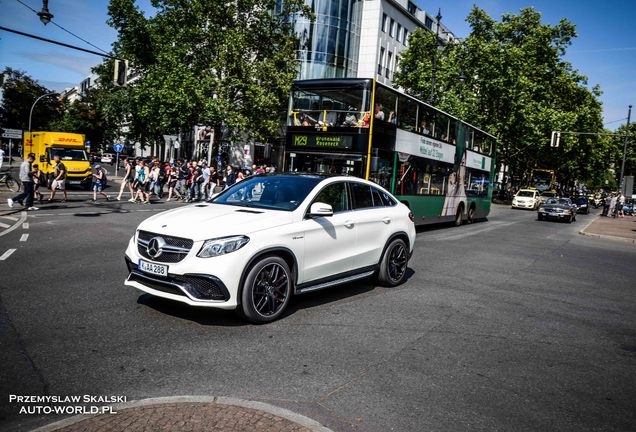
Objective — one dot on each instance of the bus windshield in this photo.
(67, 154)
(340, 104)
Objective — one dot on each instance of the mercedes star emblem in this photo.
(155, 247)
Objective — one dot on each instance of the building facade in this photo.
(360, 38)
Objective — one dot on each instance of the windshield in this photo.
(67, 154)
(565, 201)
(551, 201)
(281, 192)
(525, 194)
(548, 194)
(343, 105)
(581, 200)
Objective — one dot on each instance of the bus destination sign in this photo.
(322, 141)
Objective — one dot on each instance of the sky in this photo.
(605, 49)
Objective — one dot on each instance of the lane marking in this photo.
(23, 218)
(12, 218)
(24, 237)
(25, 225)
(2, 225)
(7, 254)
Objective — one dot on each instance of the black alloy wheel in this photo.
(266, 290)
(394, 264)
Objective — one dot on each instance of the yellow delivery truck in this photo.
(69, 146)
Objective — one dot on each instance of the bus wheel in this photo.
(459, 215)
(471, 215)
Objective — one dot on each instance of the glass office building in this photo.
(329, 45)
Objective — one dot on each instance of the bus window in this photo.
(381, 170)
(477, 183)
(310, 107)
(407, 113)
(452, 131)
(441, 127)
(426, 119)
(419, 176)
(487, 146)
(387, 101)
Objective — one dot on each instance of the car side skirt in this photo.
(337, 279)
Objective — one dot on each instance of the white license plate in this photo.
(148, 267)
(74, 182)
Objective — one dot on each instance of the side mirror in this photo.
(320, 209)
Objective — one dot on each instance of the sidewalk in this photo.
(613, 229)
(192, 414)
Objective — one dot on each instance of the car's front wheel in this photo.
(266, 290)
(394, 263)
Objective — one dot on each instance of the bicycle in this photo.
(9, 181)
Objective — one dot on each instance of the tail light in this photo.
(411, 217)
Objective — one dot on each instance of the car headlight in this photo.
(541, 209)
(222, 246)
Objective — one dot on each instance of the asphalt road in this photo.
(509, 324)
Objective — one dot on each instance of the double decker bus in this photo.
(438, 165)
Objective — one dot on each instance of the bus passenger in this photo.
(379, 114)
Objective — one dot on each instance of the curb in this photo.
(605, 236)
(609, 237)
(299, 419)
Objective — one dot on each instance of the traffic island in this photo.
(192, 414)
(618, 229)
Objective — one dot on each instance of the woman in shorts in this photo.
(129, 178)
(173, 178)
(99, 178)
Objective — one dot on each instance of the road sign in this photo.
(12, 133)
(218, 158)
(118, 147)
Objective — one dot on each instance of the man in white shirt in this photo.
(1, 157)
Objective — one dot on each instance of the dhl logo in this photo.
(75, 140)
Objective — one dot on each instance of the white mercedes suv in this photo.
(269, 237)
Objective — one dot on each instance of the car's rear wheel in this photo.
(459, 215)
(394, 263)
(470, 218)
(266, 290)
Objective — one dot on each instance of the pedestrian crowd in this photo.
(145, 179)
(613, 206)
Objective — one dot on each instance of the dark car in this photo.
(582, 204)
(559, 209)
(628, 207)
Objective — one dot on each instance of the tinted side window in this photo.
(335, 195)
(387, 201)
(362, 197)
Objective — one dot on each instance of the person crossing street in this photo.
(26, 177)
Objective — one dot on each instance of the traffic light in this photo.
(556, 137)
(121, 70)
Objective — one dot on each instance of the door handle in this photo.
(348, 224)
(386, 220)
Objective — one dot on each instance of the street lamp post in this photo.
(33, 106)
(620, 184)
(434, 65)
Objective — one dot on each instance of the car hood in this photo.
(206, 221)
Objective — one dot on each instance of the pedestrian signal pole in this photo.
(620, 184)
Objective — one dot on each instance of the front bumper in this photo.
(526, 205)
(559, 216)
(190, 281)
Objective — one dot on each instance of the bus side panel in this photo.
(426, 208)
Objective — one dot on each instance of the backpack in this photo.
(104, 179)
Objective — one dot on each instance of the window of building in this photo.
(392, 28)
(428, 23)
(399, 33)
(412, 8)
(381, 61)
(385, 19)
(389, 63)
(406, 37)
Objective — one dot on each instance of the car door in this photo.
(373, 221)
(329, 240)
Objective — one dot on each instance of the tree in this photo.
(517, 87)
(227, 64)
(19, 93)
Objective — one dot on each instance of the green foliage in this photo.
(227, 64)
(517, 87)
(20, 91)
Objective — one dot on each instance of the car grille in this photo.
(176, 248)
(201, 287)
